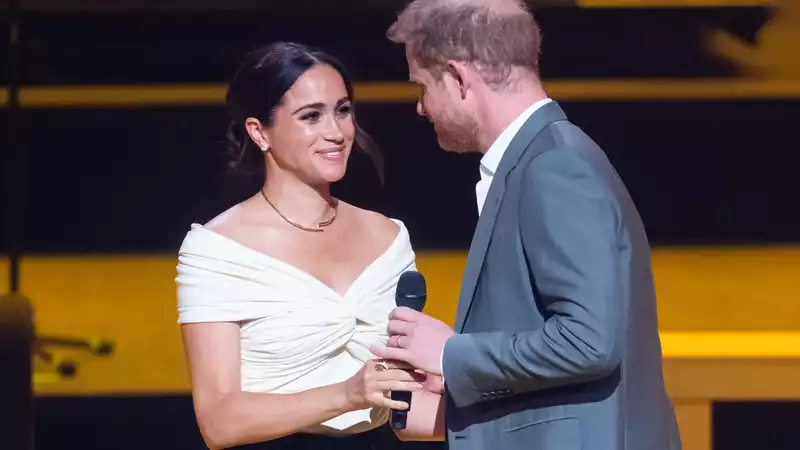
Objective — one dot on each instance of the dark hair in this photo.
(257, 89)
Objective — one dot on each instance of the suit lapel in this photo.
(547, 114)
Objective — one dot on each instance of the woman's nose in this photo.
(333, 131)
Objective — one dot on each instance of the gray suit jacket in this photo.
(556, 344)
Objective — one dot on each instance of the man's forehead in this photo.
(415, 71)
(410, 56)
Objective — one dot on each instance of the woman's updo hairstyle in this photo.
(257, 90)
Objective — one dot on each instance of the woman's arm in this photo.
(227, 416)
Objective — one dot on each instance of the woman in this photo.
(281, 296)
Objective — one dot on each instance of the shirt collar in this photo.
(491, 159)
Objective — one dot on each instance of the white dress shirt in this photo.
(491, 159)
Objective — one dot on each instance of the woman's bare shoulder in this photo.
(233, 222)
(378, 225)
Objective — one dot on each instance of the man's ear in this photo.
(461, 74)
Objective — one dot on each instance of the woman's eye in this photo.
(345, 110)
(311, 117)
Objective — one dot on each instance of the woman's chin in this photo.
(331, 173)
(329, 176)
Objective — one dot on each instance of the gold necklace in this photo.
(319, 227)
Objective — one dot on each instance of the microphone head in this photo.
(411, 290)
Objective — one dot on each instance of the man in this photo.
(556, 342)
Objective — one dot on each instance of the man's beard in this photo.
(457, 134)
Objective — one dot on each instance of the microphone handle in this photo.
(399, 418)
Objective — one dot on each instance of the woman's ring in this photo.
(380, 366)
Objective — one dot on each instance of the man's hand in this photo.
(434, 384)
(415, 338)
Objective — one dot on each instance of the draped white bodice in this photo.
(296, 332)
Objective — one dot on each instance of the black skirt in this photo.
(381, 438)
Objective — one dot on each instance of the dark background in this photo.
(131, 180)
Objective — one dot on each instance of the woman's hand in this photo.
(371, 386)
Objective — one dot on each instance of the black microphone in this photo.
(411, 293)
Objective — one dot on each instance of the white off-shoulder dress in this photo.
(296, 332)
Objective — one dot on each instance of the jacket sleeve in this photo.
(569, 226)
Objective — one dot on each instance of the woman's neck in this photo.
(298, 200)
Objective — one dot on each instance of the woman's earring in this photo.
(264, 148)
